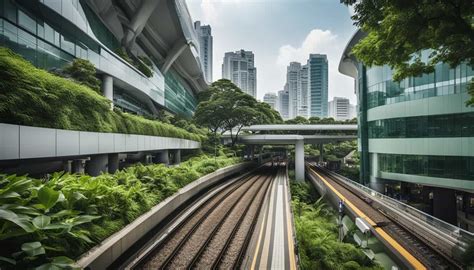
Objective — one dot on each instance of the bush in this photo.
(83, 72)
(48, 222)
(34, 97)
(317, 234)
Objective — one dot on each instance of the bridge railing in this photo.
(461, 235)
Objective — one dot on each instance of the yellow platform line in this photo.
(410, 258)
(291, 247)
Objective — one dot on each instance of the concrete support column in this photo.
(299, 160)
(97, 165)
(78, 166)
(108, 88)
(252, 151)
(444, 205)
(67, 166)
(146, 159)
(163, 157)
(113, 163)
(321, 151)
(177, 156)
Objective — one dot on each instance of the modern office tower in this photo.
(51, 34)
(240, 69)
(339, 108)
(205, 45)
(417, 135)
(294, 85)
(318, 85)
(283, 103)
(271, 99)
(352, 111)
(303, 94)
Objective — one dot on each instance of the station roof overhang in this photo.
(285, 127)
(293, 139)
(347, 64)
(167, 36)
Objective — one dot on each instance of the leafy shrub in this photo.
(42, 221)
(317, 234)
(34, 97)
(83, 72)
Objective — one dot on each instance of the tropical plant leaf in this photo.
(33, 248)
(82, 219)
(48, 197)
(8, 260)
(23, 222)
(41, 222)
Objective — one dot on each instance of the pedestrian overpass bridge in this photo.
(296, 139)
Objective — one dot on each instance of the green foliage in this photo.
(141, 63)
(398, 30)
(317, 234)
(41, 221)
(224, 107)
(34, 97)
(83, 72)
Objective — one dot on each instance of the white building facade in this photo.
(340, 108)
(271, 99)
(205, 46)
(239, 67)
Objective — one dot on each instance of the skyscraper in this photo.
(303, 108)
(205, 44)
(294, 85)
(239, 68)
(340, 108)
(283, 103)
(318, 85)
(271, 99)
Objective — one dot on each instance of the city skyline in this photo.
(296, 29)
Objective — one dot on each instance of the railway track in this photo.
(429, 257)
(217, 233)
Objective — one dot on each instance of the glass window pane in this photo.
(26, 21)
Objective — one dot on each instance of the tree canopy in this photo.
(224, 107)
(399, 30)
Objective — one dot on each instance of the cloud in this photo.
(317, 41)
(209, 11)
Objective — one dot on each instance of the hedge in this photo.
(47, 223)
(34, 97)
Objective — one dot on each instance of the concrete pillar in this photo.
(252, 151)
(113, 163)
(177, 156)
(444, 205)
(299, 160)
(163, 157)
(78, 166)
(108, 88)
(97, 164)
(321, 151)
(146, 159)
(67, 166)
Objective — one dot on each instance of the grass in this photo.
(317, 234)
(34, 97)
(50, 222)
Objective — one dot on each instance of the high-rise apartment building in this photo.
(297, 80)
(283, 103)
(239, 67)
(294, 85)
(205, 46)
(271, 99)
(318, 85)
(340, 108)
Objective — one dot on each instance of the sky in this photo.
(279, 32)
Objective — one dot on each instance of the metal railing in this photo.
(460, 235)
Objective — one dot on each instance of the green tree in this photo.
(399, 30)
(224, 107)
(298, 120)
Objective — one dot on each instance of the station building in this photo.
(416, 137)
(119, 38)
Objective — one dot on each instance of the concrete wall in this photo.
(105, 253)
(24, 142)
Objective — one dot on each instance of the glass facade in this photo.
(455, 167)
(432, 126)
(382, 90)
(178, 95)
